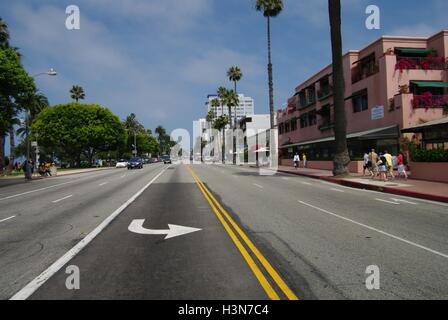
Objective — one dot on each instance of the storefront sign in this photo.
(378, 112)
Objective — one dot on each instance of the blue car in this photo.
(135, 163)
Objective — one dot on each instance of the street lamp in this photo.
(52, 73)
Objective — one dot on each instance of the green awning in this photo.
(414, 51)
(430, 84)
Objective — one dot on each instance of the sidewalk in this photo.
(434, 191)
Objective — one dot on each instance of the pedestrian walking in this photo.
(389, 164)
(373, 158)
(305, 161)
(401, 166)
(382, 167)
(296, 160)
(27, 168)
(367, 165)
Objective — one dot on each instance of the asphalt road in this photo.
(260, 237)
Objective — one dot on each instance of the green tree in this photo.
(231, 100)
(270, 9)
(77, 130)
(77, 93)
(4, 33)
(341, 159)
(15, 84)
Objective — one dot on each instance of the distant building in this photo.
(393, 84)
(246, 107)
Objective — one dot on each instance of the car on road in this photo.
(135, 163)
(166, 159)
(121, 164)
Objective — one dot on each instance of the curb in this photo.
(358, 185)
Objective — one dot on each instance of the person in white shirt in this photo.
(296, 160)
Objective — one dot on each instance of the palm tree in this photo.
(270, 9)
(341, 159)
(234, 73)
(219, 124)
(4, 33)
(33, 103)
(215, 105)
(231, 100)
(161, 137)
(77, 93)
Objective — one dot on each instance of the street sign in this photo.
(136, 226)
(34, 143)
(378, 112)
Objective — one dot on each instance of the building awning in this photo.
(430, 84)
(431, 124)
(413, 51)
(390, 132)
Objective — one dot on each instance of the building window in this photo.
(360, 101)
(302, 97)
(281, 128)
(294, 124)
(304, 120)
(287, 127)
(311, 95)
(312, 118)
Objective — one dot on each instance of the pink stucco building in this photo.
(392, 84)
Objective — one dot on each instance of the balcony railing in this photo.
(422, 63)
(325, 124)
(324, 92)
(428, 100)
(362, 72)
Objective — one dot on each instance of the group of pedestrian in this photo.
(298, 161)
(383, 165)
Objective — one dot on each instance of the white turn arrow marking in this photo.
(136, 226)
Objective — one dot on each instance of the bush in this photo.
(435, 155)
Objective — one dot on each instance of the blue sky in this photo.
(160, 58)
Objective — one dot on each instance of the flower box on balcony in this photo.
(428, 100)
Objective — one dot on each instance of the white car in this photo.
(121, 164)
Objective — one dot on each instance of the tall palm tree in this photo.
(219, 124)
(33, 103)
(341, 159)
(4, 33)
(215, 105)
(234, 73)
(231, 100)
(161, 137)
(270, 9)
(77, 93)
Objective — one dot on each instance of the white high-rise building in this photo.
(245, 108)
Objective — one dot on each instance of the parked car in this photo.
(121, 164)
(135, 163)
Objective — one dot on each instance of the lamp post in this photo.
(52, 73)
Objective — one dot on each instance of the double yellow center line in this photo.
(228, 223)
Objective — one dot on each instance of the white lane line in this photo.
(285, 178)
(62, 199)
(37, 190)
(377, 230)
(36, 283)
(12, 217)
(258, 186)
(306, 183)
(123, 176)
(337, 190)
(53, 186)
(404, 201)
(103, 184)
(386, 201)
